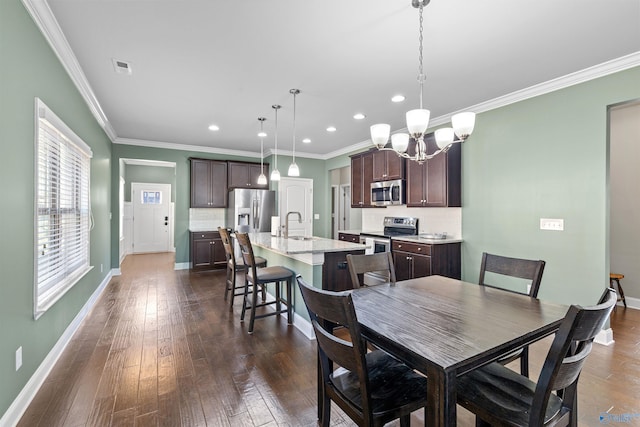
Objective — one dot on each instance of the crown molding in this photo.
(45, 20)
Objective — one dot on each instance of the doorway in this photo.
(340, 208)
(152, 217)
(296, 195)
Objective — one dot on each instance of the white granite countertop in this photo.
(425, 240)
(290, 246)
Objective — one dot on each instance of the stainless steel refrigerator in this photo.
(250, 211)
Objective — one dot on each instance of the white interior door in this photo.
(152, 227)
(296, 195)
(345, 207)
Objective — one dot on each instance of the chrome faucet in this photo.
(286, 222)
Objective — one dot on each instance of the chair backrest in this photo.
(228, 245)
(360, 264)
(569, 350)
(247, 252)
(336, 308)
(513, 267)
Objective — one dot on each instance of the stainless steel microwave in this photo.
(385, 193)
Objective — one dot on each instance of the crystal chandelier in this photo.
(262, 178)
(275, 173)
(418, 120)
(294, 170)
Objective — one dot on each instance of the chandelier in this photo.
(418, 120)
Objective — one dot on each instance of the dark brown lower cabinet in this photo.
(207, 252)
(414, 260)
(335, 271)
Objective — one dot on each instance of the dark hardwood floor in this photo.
(161, 348)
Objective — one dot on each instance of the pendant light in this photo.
(262, 178)
(275, 174)
(418, 120)
(294, 170)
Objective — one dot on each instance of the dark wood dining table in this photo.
(444, 328)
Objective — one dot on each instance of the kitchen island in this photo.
(321, 262)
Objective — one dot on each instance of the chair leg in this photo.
(290, 300)
(245, 297)
(405, 421)
(326, 411)
(232, 285)
(226, 286)
(278, 297)
(621, 292)
(254, 298)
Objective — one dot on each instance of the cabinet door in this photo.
(420, 265)
(218, 184)
(379, 171)
(436, 194)
(202, 253)
(356, 182)
(415, 183)
(387, 165)
(395, 166)
(367, 178)
(402, 263)
(219, 256)
(238, 175)
(200, 183)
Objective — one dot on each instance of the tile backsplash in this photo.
(206, 219)
(430, 220)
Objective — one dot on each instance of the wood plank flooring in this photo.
(161, 348)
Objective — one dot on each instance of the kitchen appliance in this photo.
(386, 193)
(250, 210)
(381, 242)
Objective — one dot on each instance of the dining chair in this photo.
(529, 270)
(234, 266)
(377, 262)
(499, 396)
(259, 278)
(372, 388)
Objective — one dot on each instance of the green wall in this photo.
(30, 69)
(309, 168)
(149, 174)
(546, 157)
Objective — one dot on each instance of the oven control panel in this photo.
(405, 222)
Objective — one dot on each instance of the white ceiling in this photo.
(198, 62)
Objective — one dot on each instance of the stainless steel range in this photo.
(381, 241)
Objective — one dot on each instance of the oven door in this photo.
(376, 245)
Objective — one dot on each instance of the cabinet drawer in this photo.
(206, 235)
(415, 248)
(346, 237)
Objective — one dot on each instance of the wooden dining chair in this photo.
(378, 262)
(258, 278)
(372, 388)
(526, 269)
(499, 396)
(235, 266)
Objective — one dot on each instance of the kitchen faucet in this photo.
(286, 222)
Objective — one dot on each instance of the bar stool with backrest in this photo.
(372, 388)
(378, 262)
(499, 396)
(259, 278)
(520, 268)
(234, 266)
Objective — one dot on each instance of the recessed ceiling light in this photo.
(306, 141)
(262, 134)
(214, 128)
(331, 129)
(397, 98)
(359, 116)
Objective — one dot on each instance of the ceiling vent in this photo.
(122, 67)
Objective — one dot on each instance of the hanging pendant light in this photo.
(418, 120)
(294, 170)
(275, 174)
(262, 178)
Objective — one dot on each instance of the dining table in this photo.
(444, 328)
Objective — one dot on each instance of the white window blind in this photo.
(63, 216)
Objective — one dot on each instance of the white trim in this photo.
(604, 337)
(116, 272)
(304, 326)
(182, 266)
(28, 392)
(46, 22)
(632, 302)
(146, 162)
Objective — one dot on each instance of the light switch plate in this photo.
(316, 216)
(554, 224)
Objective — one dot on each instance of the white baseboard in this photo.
(182, 266)
(28, 392)
(299, 322)
(631, 303)
(116, 272)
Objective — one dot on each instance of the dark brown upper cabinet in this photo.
(208, 183)
(245, 175)
(361, 179)
(387, 166)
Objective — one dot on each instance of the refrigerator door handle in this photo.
(256, 214)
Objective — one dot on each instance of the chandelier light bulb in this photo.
(418, 121)
(380, 134)
(444, 137)
(463, 124)
(400, 142)
(275, 175)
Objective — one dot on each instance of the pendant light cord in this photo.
(294, 126)
(421, 76)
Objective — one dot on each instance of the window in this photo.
(63, 215)
(151, 197)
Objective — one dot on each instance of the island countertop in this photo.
(295, 245)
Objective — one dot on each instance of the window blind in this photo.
(63, 214)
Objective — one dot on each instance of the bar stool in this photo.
(614, 277)
(259, 278)
(234, 266)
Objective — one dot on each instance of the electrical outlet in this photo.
(554, 224)
(18, 358)
(316, 216)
